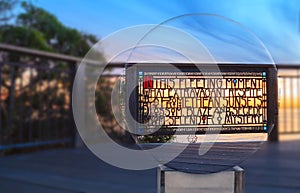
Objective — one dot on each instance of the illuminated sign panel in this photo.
(193, 101)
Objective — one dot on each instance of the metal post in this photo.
(239, 177)
(273, 104)
(1, 122)
(297, 95)
(21, 110)
(30, 131)
(40, 104)
(292, 103)
(11, 105)
(284, 103)
(48, 112)
(56, 101)
(72, 125)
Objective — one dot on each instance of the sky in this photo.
(275, 22)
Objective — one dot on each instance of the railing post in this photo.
(274, 135)
(11, 105)
(72, 125)
(1, 121)
(273, 102)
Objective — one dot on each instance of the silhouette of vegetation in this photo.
(36, 28)
(6, 7)
(35, 92)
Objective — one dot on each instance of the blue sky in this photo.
(275, 22)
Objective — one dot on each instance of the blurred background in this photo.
(41, 45)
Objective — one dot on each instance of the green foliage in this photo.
(44, 101)
(6, 6)
(22, 36)
(39, 19)
(156, 138)
(37, 28)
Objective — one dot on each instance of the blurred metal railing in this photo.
(289, 95)
(36, 97)
(35, 103)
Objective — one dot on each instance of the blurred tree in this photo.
(61, 38)
(38, 91)
(22, 36)
(36, 28)
(44, 92)
(6, 7)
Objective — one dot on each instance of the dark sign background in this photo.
(236, 99)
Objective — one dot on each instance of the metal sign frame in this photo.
(137, 72)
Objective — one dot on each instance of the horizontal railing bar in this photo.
(66, 70)
(74, 59)
(34, 144)
(288, 66)
(54, 56)
(291, 132)
(38, 67)
(287, 76)
(44, 54)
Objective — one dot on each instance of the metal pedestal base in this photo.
(171, 181)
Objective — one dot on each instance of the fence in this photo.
(289, 104)
(36, 98)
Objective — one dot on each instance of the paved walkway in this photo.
(275, 169)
